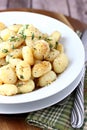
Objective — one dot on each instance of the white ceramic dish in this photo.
(73, 48)
(40, 104)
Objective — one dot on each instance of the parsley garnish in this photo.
(10, 55)
(56, 44)
(13, 47)
(50, 45)
(39, 37)
(19, 85)
(22, 34)
(21, 76)
(4, 50)
(48, 39)
(7, 62)
(22, 31)
(32, 36)
(26, 26)
(14, 39)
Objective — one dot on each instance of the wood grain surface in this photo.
(73, 8)
(17, 121)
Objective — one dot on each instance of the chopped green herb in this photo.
(50, 45)
(22, 35)
(48, 39)
(26, 26)
(56, 44)
(4, 50)
(32, 36)
(19, 85)
(22, 31)
(21, 76)
(14, 39)
(35, 49)
(13, 47)
(39, 37)
(10, 55)
(7, 62)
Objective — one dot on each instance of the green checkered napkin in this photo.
(58, 117)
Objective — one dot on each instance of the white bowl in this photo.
(73, 48)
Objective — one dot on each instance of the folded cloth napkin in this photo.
(58, 116)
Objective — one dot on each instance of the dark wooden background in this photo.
(73, 8)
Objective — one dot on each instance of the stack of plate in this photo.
(65, 83)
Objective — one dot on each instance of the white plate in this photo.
(73, 48)
(40, 104)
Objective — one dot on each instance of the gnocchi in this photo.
(29, 59)
(52, 55)
(41, 49)
(41, 68)
(47, 78)
(27, 53)
(6, 34)
(8, 89)
(25, 87)
(8, 75)
(60, 63)
(23, 71)
(5, 48)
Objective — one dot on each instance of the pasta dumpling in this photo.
(47, 79)
(8, 75)
(25, 87)
(23, 71)
(41, 49)
(28, 56)
(8, 89)
(41, 68)
(60, 63)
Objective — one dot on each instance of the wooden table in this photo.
(17, 121)
(76, 9)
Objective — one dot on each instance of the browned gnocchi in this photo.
(41, 68)
(8, 74)
(41, 49)
(47, 78)
(60, 63)
(8, 89)
(29, 59)
(25, 87)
